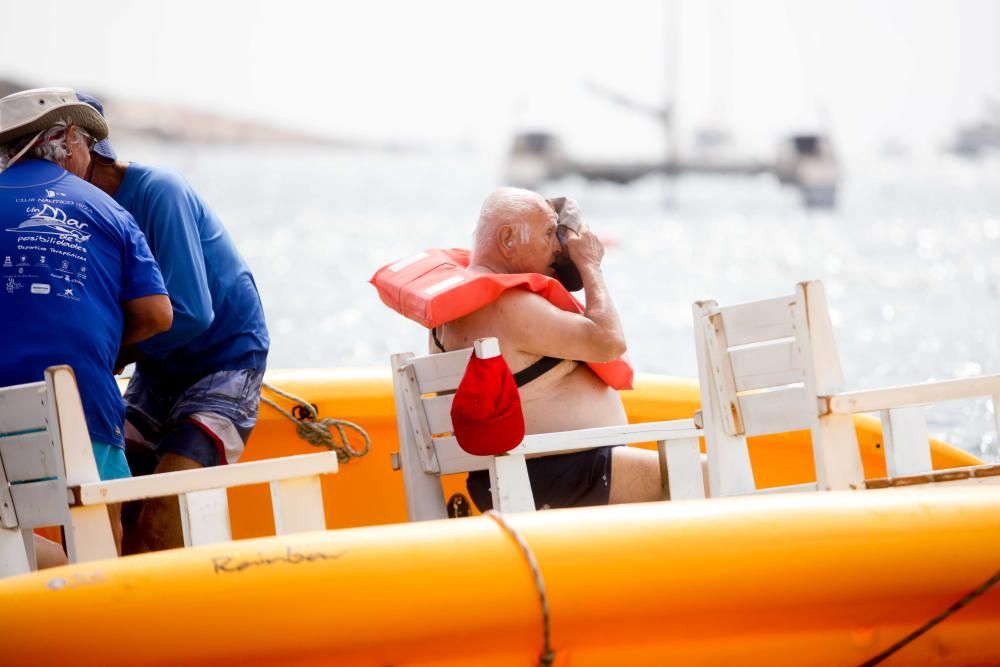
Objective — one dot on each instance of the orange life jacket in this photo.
(435, 287)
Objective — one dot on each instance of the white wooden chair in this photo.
(424, 389)
(48, 477)
(772, 366)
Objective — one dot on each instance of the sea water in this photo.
(908, 257)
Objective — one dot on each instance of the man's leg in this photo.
(143, 461)
(158, 524)
(635, 476)
(208, 424)
(49, 553)
(112, 464)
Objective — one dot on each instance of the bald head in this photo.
(510, 221)
(507, 206)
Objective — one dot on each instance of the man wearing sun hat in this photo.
(77, 278)
(192, 400)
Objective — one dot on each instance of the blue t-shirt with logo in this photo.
(218, 318)
(69, 257)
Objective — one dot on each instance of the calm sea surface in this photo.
(909, 259)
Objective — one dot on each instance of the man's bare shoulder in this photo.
(520, 304)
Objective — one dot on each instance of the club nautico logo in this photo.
(53, 221)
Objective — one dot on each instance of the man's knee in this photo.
(635, 476)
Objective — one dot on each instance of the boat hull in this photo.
(811, 578)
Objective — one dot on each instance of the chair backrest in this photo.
(424, 389)
(44, 448)
(762, 367)
(48, 476)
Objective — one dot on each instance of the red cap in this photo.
(486, 413)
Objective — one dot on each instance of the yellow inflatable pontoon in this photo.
(834, 578)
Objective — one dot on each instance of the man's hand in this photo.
(585, 249)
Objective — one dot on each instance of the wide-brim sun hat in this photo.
(32, 111)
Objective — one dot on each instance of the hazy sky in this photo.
(436, 70)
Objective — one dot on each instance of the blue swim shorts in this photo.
(223, 405)
(111, 462)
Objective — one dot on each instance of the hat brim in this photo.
(78, 113)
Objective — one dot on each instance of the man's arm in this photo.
(144, 317)
(535, 326)
(173, 232)
(587, 252)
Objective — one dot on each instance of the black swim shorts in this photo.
(580, 479)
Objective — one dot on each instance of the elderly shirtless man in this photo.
(516, 233)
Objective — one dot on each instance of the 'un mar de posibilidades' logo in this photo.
(54, 221)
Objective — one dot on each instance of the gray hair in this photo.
(51, 146)
(506, 206)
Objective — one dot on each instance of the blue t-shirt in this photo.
(69, 257)
(218, 318)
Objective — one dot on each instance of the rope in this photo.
(969, 597)
(548, 656)
(317, 432)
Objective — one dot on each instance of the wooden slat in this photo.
(41, 503)
(22, 408)
(439, 418)
(187, 481)
(423, 492)
(91, 537)
(984, 474)
(297, 505)
(905, 441)
(723, 381)
(453, 458)
(777, 411)
(767, 365)
(417, 419)
(682, 460)
(29, 456)
(440, 372)
(836, 454)
(8, 517)
(873, 400)
(509, 484)
(729, 469)
(13, 554)
(438, 411)
(611, 435)
(205, 517)
(71, 436)
(758, 321)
